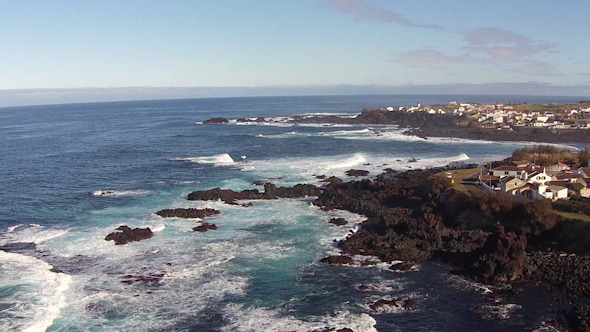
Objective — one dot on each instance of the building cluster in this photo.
(502, 116)
(559, 181)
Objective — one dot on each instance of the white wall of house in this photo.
(558, 193)
(540, 178)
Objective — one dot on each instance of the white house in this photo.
(508, 183)
(549, 192)
(538, 177)
(517, 172)
(559, 167)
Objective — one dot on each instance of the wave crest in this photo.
(217, 160)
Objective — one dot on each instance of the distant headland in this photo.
(548, 123)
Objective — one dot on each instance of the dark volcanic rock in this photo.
(216, 121)
(338, 221)
(337, 260)
(579, 318)
(19, 247)
(357, 172)
(403, 266)
(501, 259)
(569, 272)
(126, 235)
(153, 279)
(187, 213)
(382, 304)
(414, 217)
(204, 227)
(388, 305)
(270, 192)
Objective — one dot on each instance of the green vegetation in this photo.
(458, 176)
(573, 207)
(574, 216)
(546, 155)
(482, 209)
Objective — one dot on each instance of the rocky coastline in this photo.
(414, 217)
(426, 125)
(492, 239)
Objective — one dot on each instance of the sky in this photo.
(95, 50)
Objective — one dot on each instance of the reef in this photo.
(216, 121)
(125, 234)
(187, 213)
(271, 191)
(204, 227)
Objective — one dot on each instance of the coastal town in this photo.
(528, 180)
(505, 117)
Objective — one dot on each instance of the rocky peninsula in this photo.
(490, 238)
(553, 123)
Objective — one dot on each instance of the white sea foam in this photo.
(290, 171)
(346, 132)
(119, 193)
(37, 297)
(263, 319)
(463, 283)
(500, 311)
(357, 159)
(158, 228)
(323, 125)
(382, 286)
(217, 160)
(31, 233)
(314, 114)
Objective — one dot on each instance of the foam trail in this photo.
(119, 193)
(217, 160)
(346, 132)
(262, 319)
(39, 295)
(32, 233)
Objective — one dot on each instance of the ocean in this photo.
(71, 174)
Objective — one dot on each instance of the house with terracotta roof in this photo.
(559, 167)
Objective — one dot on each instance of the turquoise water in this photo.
(260, 270)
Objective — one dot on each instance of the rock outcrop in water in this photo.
(187, 213)
(271, 191)
(338, 221)
(204, 227)
(216, 121)
(357, 172)
(126, 234)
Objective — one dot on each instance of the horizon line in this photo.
(82, 95)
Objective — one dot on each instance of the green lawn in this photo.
(571, 215)
(458, 175)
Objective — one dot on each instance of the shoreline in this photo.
(413, 218)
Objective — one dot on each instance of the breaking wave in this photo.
(119, 193)
(32, 293)
(217, 160)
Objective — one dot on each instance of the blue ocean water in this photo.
(70, 174)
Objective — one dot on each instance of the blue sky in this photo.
(283, 43)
